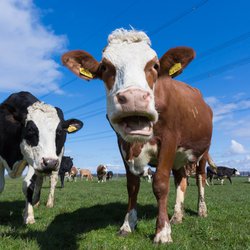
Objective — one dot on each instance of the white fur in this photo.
(164, 236)
(130, 222)
(202, 208)
(53, 182)
(28, 211)
(39, 113)
(178, 208)
(182, 157)
(129, 51)
(136, 165)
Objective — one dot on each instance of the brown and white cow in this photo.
(73, 173)
(101, 172)
(158, 121)
(86, 173)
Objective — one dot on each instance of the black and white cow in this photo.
(32, 134)
(66, 165)
(221, 173)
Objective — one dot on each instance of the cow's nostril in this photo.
(121, 99)
(50, 163)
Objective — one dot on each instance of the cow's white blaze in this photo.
(39, 113)
(129, 52)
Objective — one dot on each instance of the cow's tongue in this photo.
(137, 125)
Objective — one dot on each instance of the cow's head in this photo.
(130, 69)
(44, 135)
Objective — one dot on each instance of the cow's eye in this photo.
(156, 66)
(103, 67)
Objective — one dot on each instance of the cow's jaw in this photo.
(130, 101)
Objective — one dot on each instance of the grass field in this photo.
(87, 215)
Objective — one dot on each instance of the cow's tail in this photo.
(211, 163)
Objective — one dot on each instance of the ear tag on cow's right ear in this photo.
(71, 128)
(175, 68)
(86, 73)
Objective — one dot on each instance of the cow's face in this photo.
(130, 69)
(44, 135)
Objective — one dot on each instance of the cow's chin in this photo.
(135, 128)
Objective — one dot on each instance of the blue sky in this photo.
(34, 34)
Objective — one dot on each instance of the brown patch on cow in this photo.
(151, 71)
(132, 150)
(107, 73)
(76, 59)
(183, 55)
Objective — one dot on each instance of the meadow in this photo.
(87, 215)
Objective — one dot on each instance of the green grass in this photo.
(87, 215)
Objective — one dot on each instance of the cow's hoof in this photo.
(162, 238)
(29, 220)
(49, 205)
(176, 219)
(123, 233)
(37, 204)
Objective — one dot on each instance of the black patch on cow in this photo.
(60, 132)
(31, 134)
(31, 187)
(13, 112)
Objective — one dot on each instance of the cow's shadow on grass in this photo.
(66, 228)
(11, 213)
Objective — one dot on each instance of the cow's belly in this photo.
(148, 156)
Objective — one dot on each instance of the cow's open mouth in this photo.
(137, 125)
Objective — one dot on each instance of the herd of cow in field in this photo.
(159, 122)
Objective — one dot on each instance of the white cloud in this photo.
(26, 49)
(237, 148)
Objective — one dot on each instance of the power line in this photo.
(219, 70)
(178, 18)
(224, 45)
(98, 99)
(93, 139)
(93, 134)
(61, 86)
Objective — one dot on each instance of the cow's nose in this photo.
(131, 97)
(50, 164)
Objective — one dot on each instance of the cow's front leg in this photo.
(28, 189)
(201, 182)
(53, 182)
(130, 221)
(37, 191)
(2, 180)
(181, 186)
(161, 190)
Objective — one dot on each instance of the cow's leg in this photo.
(229, 178)
(133, 185)
(62, 176)
(161, 190)
(181, 186)
(37, 191)
(2, 180)
(201, 182)
(28, 189)
(53, 182)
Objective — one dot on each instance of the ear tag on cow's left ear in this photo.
(174, 68)
(71, 128)
(86, 73)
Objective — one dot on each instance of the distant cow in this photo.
(66, 165)
(110, 175)
(73, 173)
(102, 173)
(221, 174)
(32, 133)
(158, 121)
(86, 173)
(147, 174)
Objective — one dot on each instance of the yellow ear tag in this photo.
(86, 73)
(71, 128)
(174, 68)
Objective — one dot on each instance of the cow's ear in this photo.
(72, 125)
(175, 60)
(81, 64)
